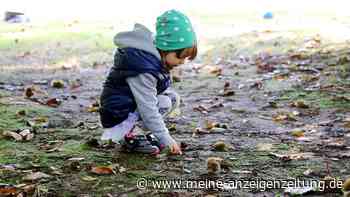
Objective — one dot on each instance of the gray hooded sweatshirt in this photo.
(143, 86)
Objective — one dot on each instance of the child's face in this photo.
(172, 60)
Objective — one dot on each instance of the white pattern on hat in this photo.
(176, 18)
(164, 43)
(186, 21)
(176, 28)
(162, 24)
(188, 28)
(162, 33)
(182, 39)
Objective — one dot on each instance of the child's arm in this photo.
(143, 87)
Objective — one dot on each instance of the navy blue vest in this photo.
(117, 100)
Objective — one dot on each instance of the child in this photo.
(139, 81)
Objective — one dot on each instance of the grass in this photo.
(10, 121)
(55, 43)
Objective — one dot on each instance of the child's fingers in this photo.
(175, 149)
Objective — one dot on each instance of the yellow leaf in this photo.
(298, 133)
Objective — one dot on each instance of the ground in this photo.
(279, 100)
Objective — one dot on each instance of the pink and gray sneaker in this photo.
(141, 144)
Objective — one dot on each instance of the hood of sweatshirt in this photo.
(140, 38)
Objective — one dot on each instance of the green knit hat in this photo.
(174, 31)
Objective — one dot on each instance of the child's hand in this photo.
(175, 149)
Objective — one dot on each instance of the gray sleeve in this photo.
(143, 87)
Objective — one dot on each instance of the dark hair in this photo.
(192, 54)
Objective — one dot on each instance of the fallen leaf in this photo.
(346, 122)
(57, 84)
(29, 92)
(76, 159)
(217, 71)
(214, 165)
(102, 170)
(7, 190)
(308, 172)
(88, 178)
(201, 109)
(226, 85)
(346, 187)
(217, 130)
(172, 127)
(29, 188)
(220, 146)
(264, 67)
(25, 132)
(121, 169)
(217, 105)
(53, 102)
(209, 124)
(92, 109)
(295, 156)
(228, 93)
(199, 130)
(21, 112)
(13, 135)
(282, 116)
(299, 104)
(298, 133)
(36, 176)
(29, 137)
(340, 98)
(39, 121)
(264, 147)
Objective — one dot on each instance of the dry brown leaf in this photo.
(264, 147)
(13, 135)
(88, 178)
(102, 170)
(29, 188)
(299, 104)
(53, 102)
(36, 176)
(21, 112)
(217, 71)
(295, 156)
(217, 105)
(7, 190)
(214, 165)
(29, 92)
(228, 92)
(25, 132)
(308, 172)
(209, 124)
(201, 109)
(284, 116)
(29, 137)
